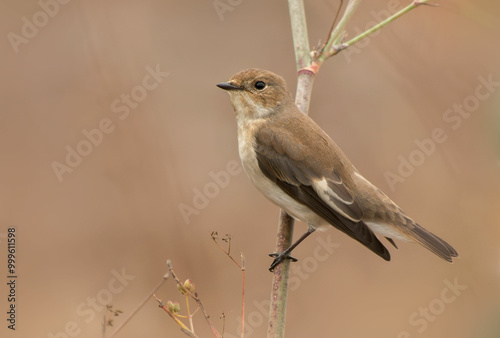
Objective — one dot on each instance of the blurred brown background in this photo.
(119, 210)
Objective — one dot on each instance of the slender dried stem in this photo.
(190, 316)
(242, 296)
(227, 239)
(164, 279)
(182, 327)
(196, 299)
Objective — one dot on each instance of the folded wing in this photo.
(287, 164)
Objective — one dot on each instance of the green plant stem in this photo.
(387, 21)
(299, 34)
(337, 33)
(334, 44)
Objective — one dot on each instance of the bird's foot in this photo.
(278, 258)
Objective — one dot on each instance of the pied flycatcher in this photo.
(297, 166)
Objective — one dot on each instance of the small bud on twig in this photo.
(173, 307)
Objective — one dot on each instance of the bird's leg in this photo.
(279, 257)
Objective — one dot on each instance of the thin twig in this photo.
(183, 327)
(393, 17)
(338, 33)
(334, 42)
(223, 317)
(190, 316)
(164, 278)
(196, 298)
(242, 296)
(105, 323)
(227, 239)
(333, 24)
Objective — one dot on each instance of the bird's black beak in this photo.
(227, 86)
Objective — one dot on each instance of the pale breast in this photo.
(270, 190)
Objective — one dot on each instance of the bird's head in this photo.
(257, 93)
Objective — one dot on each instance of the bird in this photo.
(297, 166)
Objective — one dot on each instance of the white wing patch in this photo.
(334, 200)
(388, 230)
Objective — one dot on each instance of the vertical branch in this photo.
(307, 68)
(279, 293)
(299, 31)
(302, 54)
(338, 32)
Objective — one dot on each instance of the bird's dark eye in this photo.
(259, 85)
